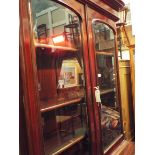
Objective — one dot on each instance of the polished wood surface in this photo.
(69, 145)
(56, 48)
(29, 83)
(114, 145)
(92, 15)
(103, 52)
(52, 104)
(129, 149)
(125, 148)
(132, 69)
(46, 75)
(102, 7)
(115, 4)
(105, 91)
(23, 139)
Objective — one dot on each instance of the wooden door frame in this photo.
(97, 16)
(23, 138)
(29, 84)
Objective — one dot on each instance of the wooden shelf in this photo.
(56, 47)
(55, 145)
(51, 104)
(69, 144)
(105, 53)
(72, 86)
(105, 91)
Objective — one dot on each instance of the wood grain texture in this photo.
(106, 8)
(52, 104)
(93, 15)
(115, 4)
(28, 75)
(125, 148)
(23, 141)
(129, 149)
(132, 69)
(46, 68)
(126, 98)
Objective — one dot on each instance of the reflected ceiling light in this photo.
(58, 39)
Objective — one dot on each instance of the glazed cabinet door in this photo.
(58, 51)
(103, 58)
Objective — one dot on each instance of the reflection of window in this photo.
(104, 37)
(125, 55)
(59, 21)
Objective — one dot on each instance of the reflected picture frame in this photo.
(69, 75)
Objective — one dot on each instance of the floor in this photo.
(125, 148)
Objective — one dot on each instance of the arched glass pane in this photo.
(54, 24)
(104, 37)
(106, 80)
(61, 84)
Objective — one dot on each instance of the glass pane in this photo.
(106, 80)
(104, 37)
(105, 68)
(63, 125)
(60, 72)
(54, 24)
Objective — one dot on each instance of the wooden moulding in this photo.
(114, 145)
(106, 7)
(115, 4)
(55, 47)
(105, 53)
(70, 144)
(28, 75)
(104, 12)
(106, 91)
(54, 104)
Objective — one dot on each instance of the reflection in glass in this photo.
(63, 125)
(61, 82)
(106, 80)
(105, 68)
(54, 24)
(104, 37)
